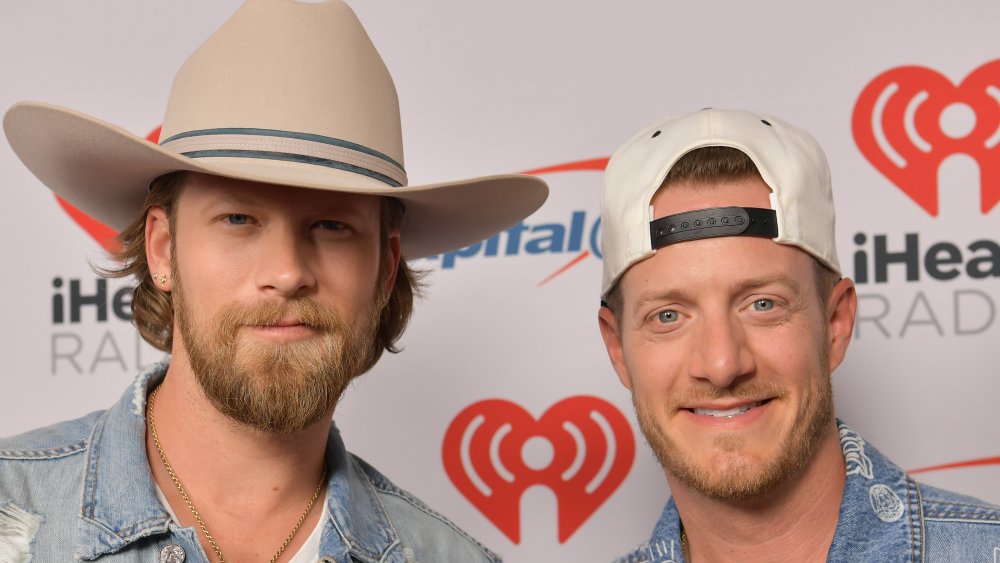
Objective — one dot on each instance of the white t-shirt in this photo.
(308, 553)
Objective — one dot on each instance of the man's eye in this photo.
(763, 305)
(237, 219)
(668, 316)
(330, 225)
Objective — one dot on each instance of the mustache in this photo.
(742, 391)
(271, 312)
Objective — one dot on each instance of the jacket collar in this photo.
(120, 506)
(880, 511)
(358, 518)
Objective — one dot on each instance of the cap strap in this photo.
(290, 146)
(714, 222)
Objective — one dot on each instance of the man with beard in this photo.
(724, 313)
(266, 233)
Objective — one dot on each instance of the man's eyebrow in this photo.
(659, 297)
(231, 198)
(339, 208)
(744, 286)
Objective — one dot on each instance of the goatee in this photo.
(278, 388)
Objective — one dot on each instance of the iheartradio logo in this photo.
(909, 119)
(586, 446)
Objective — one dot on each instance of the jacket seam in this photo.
(148, 527)
(912, 510)
(920, 520)
(943, 509)
(975, 515)
(989, 522)
(964, 504)
(91, 469)
(46, 454)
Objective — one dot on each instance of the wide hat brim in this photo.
(105, 172)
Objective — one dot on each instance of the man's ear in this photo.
(841, 309)
(158, 244)
(610, 332)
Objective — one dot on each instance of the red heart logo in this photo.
(103, 234)
(592, 450)
(897, 124)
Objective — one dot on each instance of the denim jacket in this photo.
(82, 490)
(885, 517)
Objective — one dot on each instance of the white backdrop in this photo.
(524, 85)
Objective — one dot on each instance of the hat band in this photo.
(288, 146)
(714, 222)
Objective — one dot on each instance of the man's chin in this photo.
(254, 352)
(279, 428)
(730, 477)
(267, 397)
(272, 417)
(725, 466)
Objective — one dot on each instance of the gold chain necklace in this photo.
(194, 511)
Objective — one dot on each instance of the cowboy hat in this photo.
(285, 92)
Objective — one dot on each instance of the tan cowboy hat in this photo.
(285, 92)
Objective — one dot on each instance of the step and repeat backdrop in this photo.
(504, 353)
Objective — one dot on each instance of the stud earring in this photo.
(162, 278)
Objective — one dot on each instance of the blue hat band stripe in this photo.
(288, 157)
(332, 141)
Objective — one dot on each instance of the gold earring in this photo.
(160, 278)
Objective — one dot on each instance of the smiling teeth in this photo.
(728, 413)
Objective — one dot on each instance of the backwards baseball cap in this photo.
(789, 160)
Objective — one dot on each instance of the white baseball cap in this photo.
(789, 160)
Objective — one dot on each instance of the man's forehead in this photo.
(206, 187)
(729, 265)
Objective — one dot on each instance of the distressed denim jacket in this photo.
(885, 517)
(82, 490)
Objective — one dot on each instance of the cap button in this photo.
(172, 553)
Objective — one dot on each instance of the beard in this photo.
(736, 477)
(276, 388)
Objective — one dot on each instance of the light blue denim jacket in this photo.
(885, 517)
(82, 490)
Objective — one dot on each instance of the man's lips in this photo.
(728, 410)
(285, 330)
(285, 323)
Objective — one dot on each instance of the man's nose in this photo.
(721, 354)
(285, 265)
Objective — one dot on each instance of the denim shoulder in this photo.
(426, 535)
(959, 527)
(41, 480)
(50, 442)
(34, 464)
